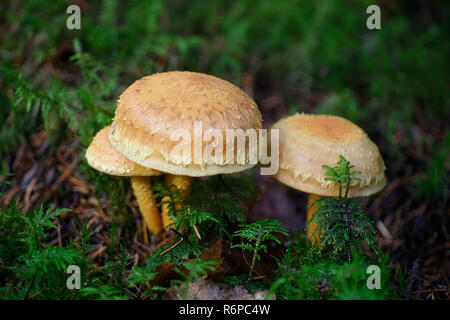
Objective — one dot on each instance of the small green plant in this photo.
(171, 194)
(193, 218)
(141, 277)
(63, 110)
(54, 100)
(194, 270)
(32, 268)
(256, 235)
(28, 265)
(103, 292)
(306, 272)
(5, 177)
(343, 174)
(173, 253)
(341, 221)
(226, 198)
(171, 197)
(210, 205)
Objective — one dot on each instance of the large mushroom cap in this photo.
(103, 157)
(309, 141)
(152, 108)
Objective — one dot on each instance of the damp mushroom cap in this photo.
(101, 156)
(154, 107)
(309, 141)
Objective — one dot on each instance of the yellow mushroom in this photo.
(309, 141)
(161, 120)
(103, 157)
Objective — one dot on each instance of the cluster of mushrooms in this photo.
(138, 143)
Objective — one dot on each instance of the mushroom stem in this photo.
(147, 204)
(182, 183)
(312, 227)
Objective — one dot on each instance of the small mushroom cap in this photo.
(154, 107)
(103, 157)
(309, 141)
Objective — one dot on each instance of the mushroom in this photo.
(103, 157)
(153, 109)
(309, 141)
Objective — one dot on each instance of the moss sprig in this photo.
(341, 221)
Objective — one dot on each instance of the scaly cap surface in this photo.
(152, 108)
(309, 141)
(103, 157)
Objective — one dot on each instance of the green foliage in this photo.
(341, 222)
(434, 185)
(51, 104)
(305, 272)
(103, 292)
(110, 281)
(256, 235)
(343, 174)
(184, 217)
(343, 104)
(94, 94)
(4, 177)
(224, 198)
(176, 255)
(194, 270)
(141, 276)
(30, 267)
(83, 109)
(194, 218)
(242, 280)
(35, 225)
(27, 264)
(170, 196)
(322, 48)
(210, 204)
(21, 115)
